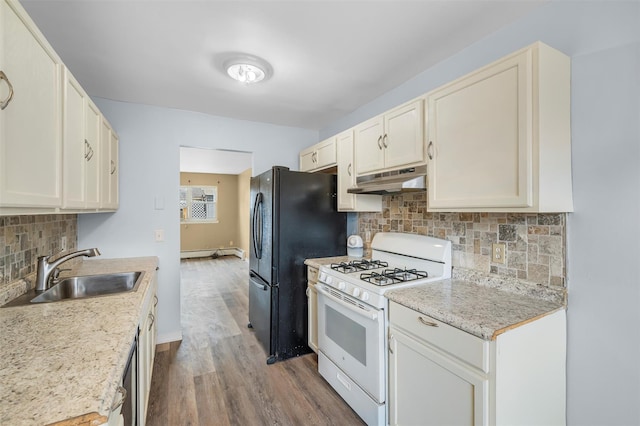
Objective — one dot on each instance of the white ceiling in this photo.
(328, 57)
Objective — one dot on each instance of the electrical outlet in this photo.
(498, 253)
(159, 234)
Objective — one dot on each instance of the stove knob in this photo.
(342, 285)
(329, 279)
(365, 296)
(356, 292)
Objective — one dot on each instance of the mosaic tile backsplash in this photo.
(535, 243)
(24, 238)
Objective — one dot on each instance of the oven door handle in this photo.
(369, 315)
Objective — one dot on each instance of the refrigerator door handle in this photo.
(257, 239)
(262, 287)
(260, 215)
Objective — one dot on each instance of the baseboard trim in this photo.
(230, 251)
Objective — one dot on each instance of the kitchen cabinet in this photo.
(81, 121)
(319, 156)
(347, 179)
(391, 141)
(499, 138)
(312, 303)
(146, 351)
(30, 114)
(109, 192)
(439, 374)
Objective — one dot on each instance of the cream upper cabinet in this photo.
(108, 167)
(499, 138)
(440, 375)
(81, 118)
(319, 156)
(347, 179)
(391, 141)
(30, 114)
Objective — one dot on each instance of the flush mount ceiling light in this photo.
(247, 69)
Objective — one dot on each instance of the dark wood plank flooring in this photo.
(218, 374)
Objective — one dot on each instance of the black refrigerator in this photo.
(293, 218)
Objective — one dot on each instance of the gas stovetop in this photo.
(380, 274)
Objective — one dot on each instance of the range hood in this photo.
(406, 180)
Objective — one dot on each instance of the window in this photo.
(198, 204)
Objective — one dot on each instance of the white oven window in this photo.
(348, 334)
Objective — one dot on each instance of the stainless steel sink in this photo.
(82, 287)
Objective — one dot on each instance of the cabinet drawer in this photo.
(464, 346)
(312, 274)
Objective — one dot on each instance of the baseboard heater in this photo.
(229, 251)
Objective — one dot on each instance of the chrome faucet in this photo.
(46, 269)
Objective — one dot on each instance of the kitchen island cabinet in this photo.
(499, 139)
(493, 359)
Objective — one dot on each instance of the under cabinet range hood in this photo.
(406, 180)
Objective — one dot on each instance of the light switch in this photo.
(159, 235)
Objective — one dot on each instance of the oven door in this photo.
(351, 335)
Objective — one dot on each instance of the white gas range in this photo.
(353, 314)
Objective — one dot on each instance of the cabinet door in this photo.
(92, 171)
(428, 388)
(30, 125)
(326, 153)
(307, 160)
(76, 150)
(480, 130)
(114, 171)
(105, 163)
(346, 174)
(403, 140)
(369, 151)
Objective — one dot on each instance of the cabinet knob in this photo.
(4, 103)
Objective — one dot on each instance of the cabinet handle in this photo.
(123, 395)
(384, 141)
(390, 339)
(153, 319)
(3, 104)
(86, 149)
(349, 169)
(379, 144)
(430, 150)
(425, 322)
(155, 300)
(113, 167)
(90, 154)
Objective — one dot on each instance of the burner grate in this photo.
(358, 265)
(393, 276)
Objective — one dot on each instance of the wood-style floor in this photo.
(218, 374)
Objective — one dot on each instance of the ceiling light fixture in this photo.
(247, 69)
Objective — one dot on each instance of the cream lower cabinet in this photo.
(391, 141)
(347, 179)
(146, 353)
(81, 138)
(312, 303)
(30, 114)
(440, 375)
(499, 138)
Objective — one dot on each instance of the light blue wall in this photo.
(603, 39)
(150, 139)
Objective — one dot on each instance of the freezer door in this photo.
(260, 304)
(261, 244)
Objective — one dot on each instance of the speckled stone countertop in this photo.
(325, 261)
(479, 310)
(64, 360)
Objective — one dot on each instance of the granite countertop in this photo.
(479, 310)
(64, 360)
